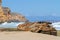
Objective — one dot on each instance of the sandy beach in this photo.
(26, 36)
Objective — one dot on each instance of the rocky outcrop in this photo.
(38, 27)
(7, 16)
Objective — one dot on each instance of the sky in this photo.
(34, 7)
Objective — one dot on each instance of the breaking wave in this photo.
(10, 25)
(56, 25)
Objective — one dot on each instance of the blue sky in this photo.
(34, 7)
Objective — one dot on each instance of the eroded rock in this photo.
(38, 27)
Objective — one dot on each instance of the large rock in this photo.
(38, 27)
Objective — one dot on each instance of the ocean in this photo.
(10, 25)
(43, 18)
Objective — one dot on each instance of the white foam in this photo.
(12, 24)
(56, 24)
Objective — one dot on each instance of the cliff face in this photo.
(7, 16)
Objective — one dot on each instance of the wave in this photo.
(10, 25)
(56, 25)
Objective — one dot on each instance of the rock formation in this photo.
(38, 27)
(7, 16)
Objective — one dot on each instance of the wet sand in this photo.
(26, 36)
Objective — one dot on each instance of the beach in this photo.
(26, 36)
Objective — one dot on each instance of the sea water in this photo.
(10, 25)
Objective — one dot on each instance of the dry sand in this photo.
(26, 36)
